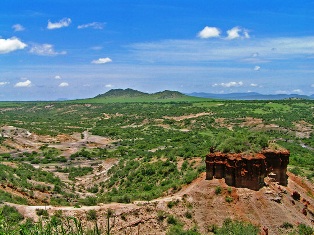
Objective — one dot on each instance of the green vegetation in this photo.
(10, 224)
(218, 190)
(237, 228)
(159, 142)
(76, 171)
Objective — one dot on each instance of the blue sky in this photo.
(52, 49)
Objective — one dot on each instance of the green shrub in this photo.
(229, 199)
(218, 190)
(10, 214)
(286, 225)
(91, 215)
(296, 171)
(42, 212)
(161, 215)
(188, 215)
(172, 220)
(171, 204)
(178, 230)
(89, 201)
(304, 230)
(237, 228)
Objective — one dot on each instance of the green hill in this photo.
(168, 95)
(130, 95)
(121, 93)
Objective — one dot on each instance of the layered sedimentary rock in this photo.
(248, 171)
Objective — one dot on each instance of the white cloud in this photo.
(63, 84)
(281, 92)
(97, 48)
(209, 32)
(102, 61)
(18, 27)
(253, 85)
(94, 25)
(193, 51)
(246, 33)
(11, 44)
(45, 50)
(65, 22)
(57, 77)
(27, 83)
(297, 91)
(237, 32)
(257, 68)
(109, 86)
(229, 84)
(312, 85)
(4, 83)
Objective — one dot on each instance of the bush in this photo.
(91, 215)
(237, 228)
(229, 199)
(286, 225)
(296, 171)
(89, 201)
(305, 230)
(178, 230)
(188, 215)
(161, 215)
(10, 214)
(172, 203)
(218, 190)
(42, 212)
(172, 220)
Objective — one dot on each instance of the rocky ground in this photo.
(198, 205)
(195, 205)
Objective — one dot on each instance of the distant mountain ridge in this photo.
(167, 94)
(249, 96)
(130, 93)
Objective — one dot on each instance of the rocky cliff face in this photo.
(248, 171)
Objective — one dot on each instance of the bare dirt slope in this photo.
(269, 207)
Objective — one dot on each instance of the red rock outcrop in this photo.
(248, 171)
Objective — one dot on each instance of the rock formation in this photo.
(248, 170)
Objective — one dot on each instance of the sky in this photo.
(72, 49)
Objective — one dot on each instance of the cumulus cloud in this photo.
(45, 50)
(237, 32)
(257, 68)
(109, 86)
(11, 44)
(209, 32)
(229, 84)
(94, 25)
(4, 83)
(26, 83)
(63, 84)
(18, 27)
(253, 85)
(102, 61)
(57, 77)
(65, 22)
